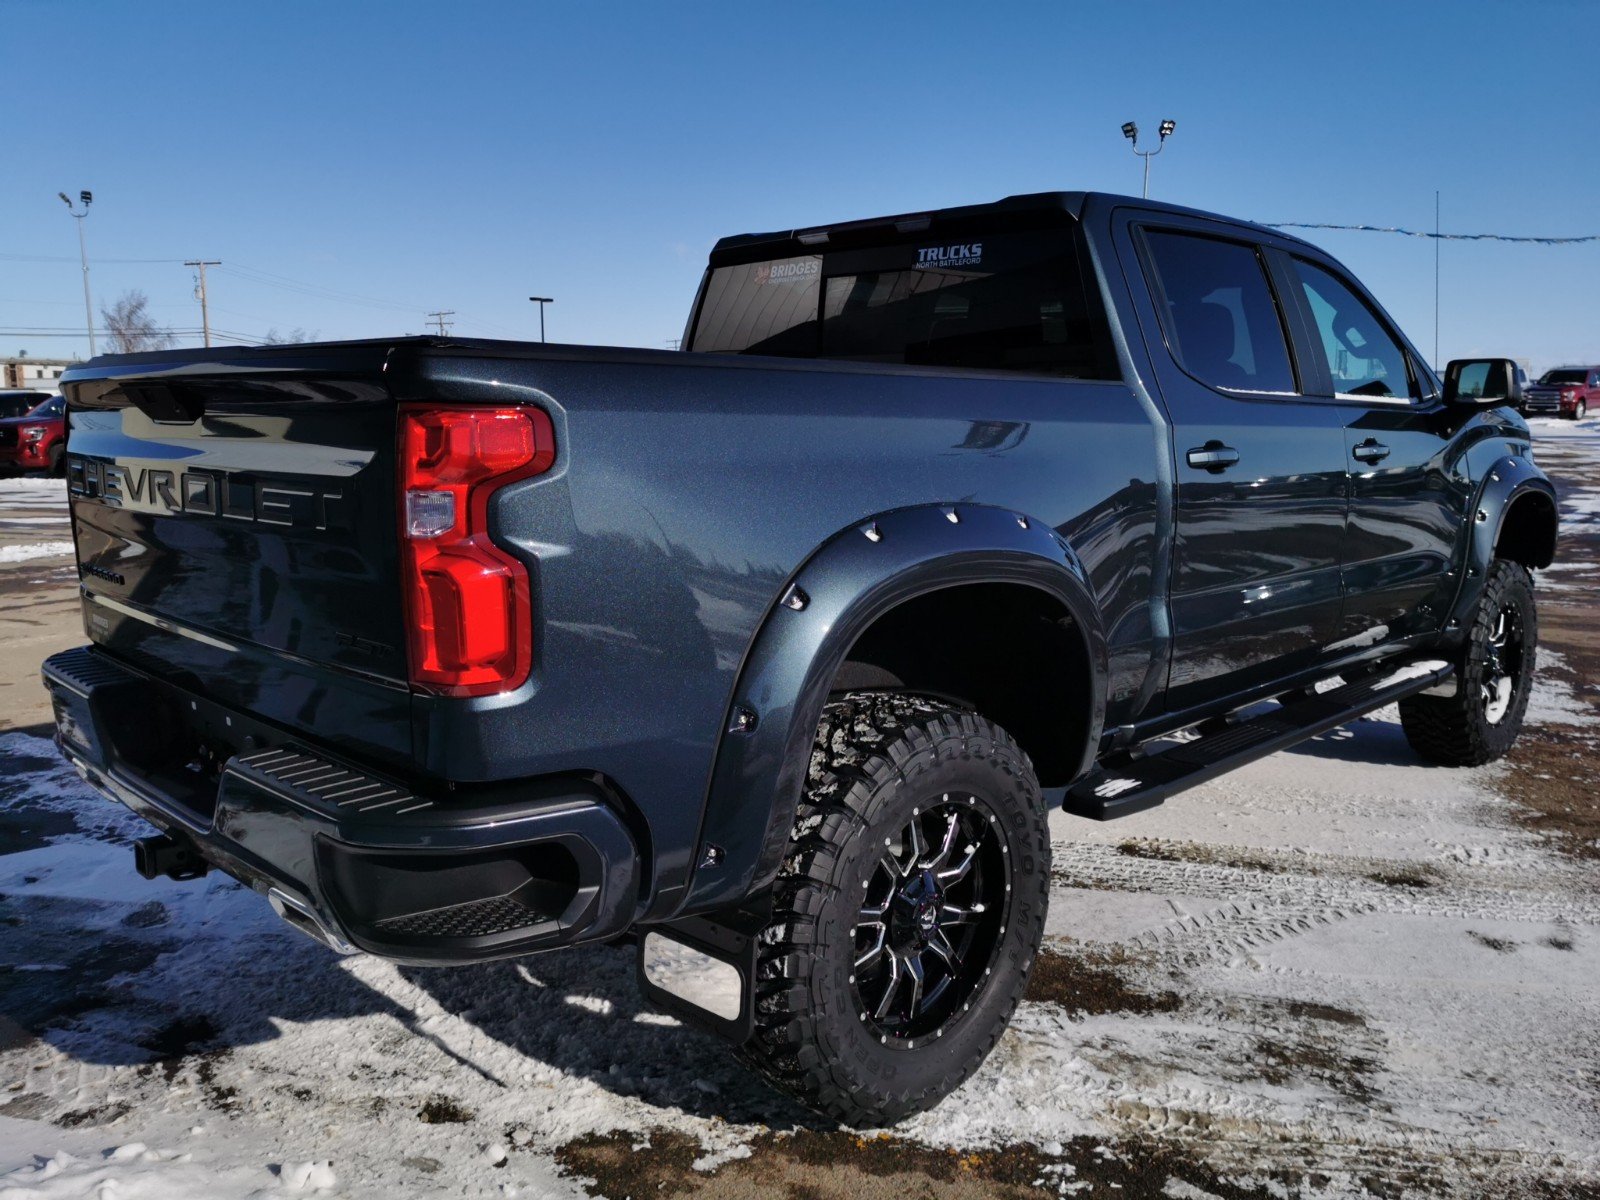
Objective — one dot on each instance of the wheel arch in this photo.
(1515, 516)
(853, 582)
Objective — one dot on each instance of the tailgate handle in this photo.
(161, 401)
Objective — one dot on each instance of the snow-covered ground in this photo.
(1336, 972)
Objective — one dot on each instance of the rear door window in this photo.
(1222, 321)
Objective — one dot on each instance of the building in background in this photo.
(39, 374)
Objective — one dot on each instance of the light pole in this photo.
(541, 301)
(1131, 132)
(86, 198)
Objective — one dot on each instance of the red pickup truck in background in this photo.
(37, 441)
(1569, 391)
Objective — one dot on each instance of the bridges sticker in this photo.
(791, 270)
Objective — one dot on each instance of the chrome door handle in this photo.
(1213, 457)
(1371, 451)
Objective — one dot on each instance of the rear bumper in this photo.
(463, 876)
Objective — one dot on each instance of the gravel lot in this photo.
(1335, 973)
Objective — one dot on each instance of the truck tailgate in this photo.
(237, 531)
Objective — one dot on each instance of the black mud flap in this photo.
(702, 970)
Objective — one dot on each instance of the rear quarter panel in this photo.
(689, 488)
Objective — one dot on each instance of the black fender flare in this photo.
(848, 583)
(1506, 483)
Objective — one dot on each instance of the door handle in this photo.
(1371, 451)
(1213, 457)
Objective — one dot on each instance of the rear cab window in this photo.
(1004, 300)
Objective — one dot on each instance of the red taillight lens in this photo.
(469, 607)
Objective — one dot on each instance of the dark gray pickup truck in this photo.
(773, 656)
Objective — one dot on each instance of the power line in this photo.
(1445, 237)
(440, 318)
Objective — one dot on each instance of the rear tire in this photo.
(1495, 677)
(907, 913)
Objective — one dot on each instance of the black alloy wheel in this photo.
(933, 907)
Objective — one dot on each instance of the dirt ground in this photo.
(1337, 972)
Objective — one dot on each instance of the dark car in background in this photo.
(1564, 391)
(18, 402)
(36, 441)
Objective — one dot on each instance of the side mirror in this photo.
(1482, 382)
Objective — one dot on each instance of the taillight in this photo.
(469, 607)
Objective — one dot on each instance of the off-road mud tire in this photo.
(877, 757)
(1455, 730)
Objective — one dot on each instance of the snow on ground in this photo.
(33, 492)
(1335, 972)
(31, 550)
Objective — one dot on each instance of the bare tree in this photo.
(293, 337)
(131, 326)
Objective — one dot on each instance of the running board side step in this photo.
(1146, 782)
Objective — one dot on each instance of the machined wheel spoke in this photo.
(959, 871)
(889, 988)
(872, 916)
(914, 970)
(951, 914)
(948, 844)
(918, 844)
(941, 946)
(871, 954)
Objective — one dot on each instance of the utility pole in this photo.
(541, 301)
(200, 293)
(1436, 240)
(86, 199)
(440, 318)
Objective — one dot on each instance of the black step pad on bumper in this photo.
(1146, 782)
(454, 875)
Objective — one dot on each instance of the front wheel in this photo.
(907, 913)
(1580, 410)
(1494, 678)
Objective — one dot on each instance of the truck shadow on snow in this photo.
(1375, 743)
(173, 980)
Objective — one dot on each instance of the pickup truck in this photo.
(37, 439)
(1564, 391)
(772, 657)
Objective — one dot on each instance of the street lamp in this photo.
(86, 199)
(541, 301)
(1131, 132)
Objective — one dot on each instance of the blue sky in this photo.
(467, 155)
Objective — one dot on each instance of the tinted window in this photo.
(762, 308)
(1220, 315)
(1008, 301)
(1363, 357)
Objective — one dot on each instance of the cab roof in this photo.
(1034, 208)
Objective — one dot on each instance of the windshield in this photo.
(1013, 301)
(1565, 375)
(53, 407)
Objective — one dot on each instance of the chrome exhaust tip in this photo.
(302, 917)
